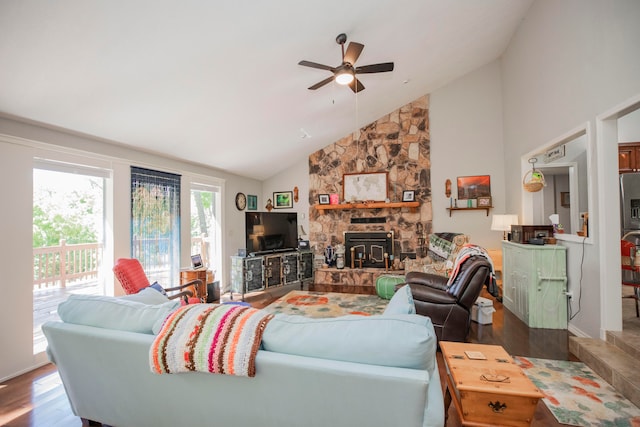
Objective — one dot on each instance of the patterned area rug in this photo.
(578, 396)
(327, 304)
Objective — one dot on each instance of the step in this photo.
(627, 340)
(613, 364)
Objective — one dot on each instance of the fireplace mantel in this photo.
(372, 205)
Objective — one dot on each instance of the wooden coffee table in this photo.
(486, 386)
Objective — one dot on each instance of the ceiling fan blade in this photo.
(322, 83)
(375, 68)
(356, 86)
(353, 52)
(316, 65)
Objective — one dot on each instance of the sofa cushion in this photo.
(147, 296)
(406, 341)
(401, 302)
(114, 313)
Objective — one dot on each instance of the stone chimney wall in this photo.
(398, 143)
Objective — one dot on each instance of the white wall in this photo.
(568, 62)
(466, 139)
(19, 142)
(16, 270)
(629, 127)
(295, 176)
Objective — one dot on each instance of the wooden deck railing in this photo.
(57, 266)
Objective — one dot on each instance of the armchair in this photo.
(449, 306)
(133, 279)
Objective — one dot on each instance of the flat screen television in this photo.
(271, 231)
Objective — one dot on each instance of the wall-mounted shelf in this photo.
(483, 208)
(372, 205)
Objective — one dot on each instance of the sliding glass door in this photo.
(68, 237)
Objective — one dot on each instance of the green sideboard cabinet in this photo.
(535, 284)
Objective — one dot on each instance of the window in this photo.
(155, 223)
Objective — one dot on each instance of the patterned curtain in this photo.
(155, 224)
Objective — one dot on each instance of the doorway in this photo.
(609, 126)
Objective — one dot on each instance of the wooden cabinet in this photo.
(188, 274)
(629, 157)
(535, 284)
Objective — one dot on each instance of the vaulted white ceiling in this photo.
(218, 82)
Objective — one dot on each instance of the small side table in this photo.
(189, 274)
(487, 387)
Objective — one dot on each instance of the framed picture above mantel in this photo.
(360, 187)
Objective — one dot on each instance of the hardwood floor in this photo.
(38, 399)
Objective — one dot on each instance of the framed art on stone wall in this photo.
(358, 187)
(408, 196)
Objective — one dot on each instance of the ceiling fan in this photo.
(345, 73)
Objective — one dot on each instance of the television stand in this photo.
(272, 269)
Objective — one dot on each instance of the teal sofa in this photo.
(102, 354)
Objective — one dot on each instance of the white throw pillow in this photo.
(114, 313)
(147, 296)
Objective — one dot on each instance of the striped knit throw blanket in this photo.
(221, 339)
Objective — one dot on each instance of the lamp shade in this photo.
(503, 222)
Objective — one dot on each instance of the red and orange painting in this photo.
(472, 187)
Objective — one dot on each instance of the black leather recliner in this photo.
(450, 309)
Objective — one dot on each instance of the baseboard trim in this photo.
(24, 371)
(577, 332)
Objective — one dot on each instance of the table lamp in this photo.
(503, 223)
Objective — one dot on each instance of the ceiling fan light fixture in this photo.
(344, 77)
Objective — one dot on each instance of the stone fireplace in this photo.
(399, 144)
(368, 249)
